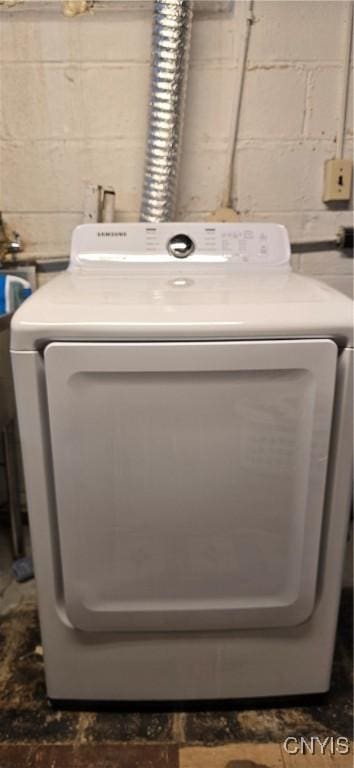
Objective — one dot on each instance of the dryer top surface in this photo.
(214, 295)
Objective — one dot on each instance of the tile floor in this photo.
(33, 735)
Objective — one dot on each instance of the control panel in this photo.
(245, 245)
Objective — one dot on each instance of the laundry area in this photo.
(176, 384)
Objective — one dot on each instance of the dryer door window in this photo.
(189, 481)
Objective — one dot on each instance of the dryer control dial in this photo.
(180, 246)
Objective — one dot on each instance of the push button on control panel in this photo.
(180, 246)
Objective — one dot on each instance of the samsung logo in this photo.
(111, 234)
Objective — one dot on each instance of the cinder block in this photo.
(33, 37)
(209, 104)
(43, 176)
(50, 37)
(214, 40)
(298, 31)
(42, 101)
(50, 176)
(19, 37)
(273, 103)
(202, 178)
(278, 176)
(121, 166)
(115, 36)
(73, 101)
(116, 101)
(324, 101)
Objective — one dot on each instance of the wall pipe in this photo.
(172, 25)
(237, 104)
(345, 83)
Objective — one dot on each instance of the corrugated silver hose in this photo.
(170, 56)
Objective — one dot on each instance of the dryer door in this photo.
(189, 480)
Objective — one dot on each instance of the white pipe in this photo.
(108, 205)
(345, 83)
(236, 109)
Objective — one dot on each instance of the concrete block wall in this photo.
(74, 101)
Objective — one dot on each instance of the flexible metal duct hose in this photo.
(170, 55)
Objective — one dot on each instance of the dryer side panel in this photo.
(190, 481)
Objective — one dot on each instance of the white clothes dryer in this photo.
(184, 408)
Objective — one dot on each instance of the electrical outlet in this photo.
(337, 180)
